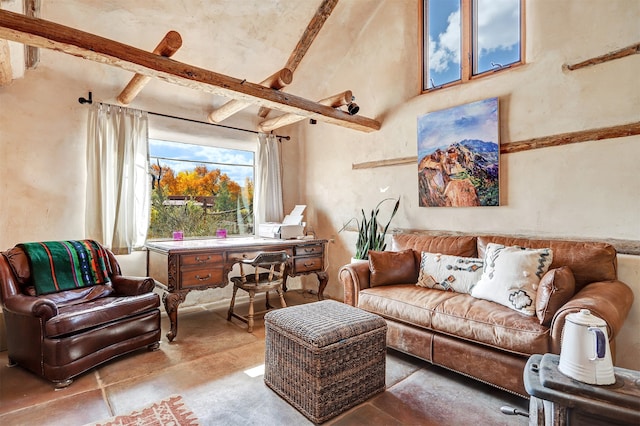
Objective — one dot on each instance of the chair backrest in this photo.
(274, 261)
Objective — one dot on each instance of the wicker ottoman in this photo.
(324, 357)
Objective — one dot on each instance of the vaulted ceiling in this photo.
(244, 39)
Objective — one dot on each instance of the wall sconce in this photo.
(353, 108)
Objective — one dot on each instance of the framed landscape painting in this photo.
(459, 156)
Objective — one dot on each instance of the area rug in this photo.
(171, 411)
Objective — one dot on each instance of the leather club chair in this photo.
(61, 335)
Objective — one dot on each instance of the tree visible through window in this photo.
(200, 189)
(465, 38)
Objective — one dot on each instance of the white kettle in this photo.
(585, 354)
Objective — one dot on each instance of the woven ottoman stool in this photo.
(324, 357)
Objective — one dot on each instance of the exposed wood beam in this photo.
(170, 43)
(309, 34)
(335, 101)
(31, 53)
(6, 74)
(49, 35)
(617, 54)
(573, 137)
(276, 81)
(612, 132)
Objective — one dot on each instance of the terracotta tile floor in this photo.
(206, 364)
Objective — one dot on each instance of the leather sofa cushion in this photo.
(454, 246)
(74, 318)
(459, 315)
(392, 267)
(555, 289)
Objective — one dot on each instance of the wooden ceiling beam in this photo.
(49, 35)
(309, 34)
(335, 101)
(6, 73)
(170, 43)
(276, 81)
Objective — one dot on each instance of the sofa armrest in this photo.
(132, 286)
(354, 277)
(31, 306)
(609, 300)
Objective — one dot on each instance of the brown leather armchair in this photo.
(61, 335)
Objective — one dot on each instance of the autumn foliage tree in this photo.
(194, 213)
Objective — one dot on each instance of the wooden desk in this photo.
(182, 266)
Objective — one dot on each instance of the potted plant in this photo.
(371, 234)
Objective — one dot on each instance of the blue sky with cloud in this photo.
(229, 161)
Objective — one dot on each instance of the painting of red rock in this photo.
(459, 156)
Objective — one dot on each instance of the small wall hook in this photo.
(86, 101)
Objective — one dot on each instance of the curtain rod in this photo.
(90, 101)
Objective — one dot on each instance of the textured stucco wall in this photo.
(587, 190)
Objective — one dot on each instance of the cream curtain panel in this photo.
(268, 194)
(118, 182)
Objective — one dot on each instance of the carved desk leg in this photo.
(323, 279)
(171, 303)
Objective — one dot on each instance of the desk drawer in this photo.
(308, 250)
(240, 255)
(307, 264)
(202, 277)
(204, 259)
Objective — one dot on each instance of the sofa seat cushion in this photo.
(459, 315)
(75, 318)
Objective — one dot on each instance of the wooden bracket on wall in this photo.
(47, 34)
(169, 45)
(31, 53)
(335, 101)
(277, 81)
(617, 54)
(602, 133)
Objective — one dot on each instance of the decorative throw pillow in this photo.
(511, 276)
(392, 267)
(555, 289)
(449, 273)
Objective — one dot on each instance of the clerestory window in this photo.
(464, 39)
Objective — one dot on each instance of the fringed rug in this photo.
(171, 411)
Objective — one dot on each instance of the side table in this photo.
(557, 399)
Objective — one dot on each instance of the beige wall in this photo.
(587, 190)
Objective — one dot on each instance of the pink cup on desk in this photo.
(178, 235)
(221, 233)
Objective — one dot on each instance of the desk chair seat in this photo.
(259, 281)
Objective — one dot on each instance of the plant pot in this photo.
(354, 260)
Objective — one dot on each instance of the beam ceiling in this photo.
(49, 35)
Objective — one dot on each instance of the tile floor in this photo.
(206, 364)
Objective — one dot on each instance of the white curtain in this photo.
(118, 181)
(268, 194)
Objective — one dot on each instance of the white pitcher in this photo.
(585, 354)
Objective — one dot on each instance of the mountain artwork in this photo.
(459, 156)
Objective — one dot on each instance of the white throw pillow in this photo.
(451, 273)
(511, 276)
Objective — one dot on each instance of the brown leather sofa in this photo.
(479, 338)
(61, 335)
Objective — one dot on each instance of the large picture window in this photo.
(200, 189)
(462, 39)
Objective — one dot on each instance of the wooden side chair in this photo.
(259, 281)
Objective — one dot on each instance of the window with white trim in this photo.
(464, 39)
(200, 189)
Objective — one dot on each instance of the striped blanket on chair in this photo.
(65, 265)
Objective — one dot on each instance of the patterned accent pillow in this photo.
(511, 276)
(449, 273)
